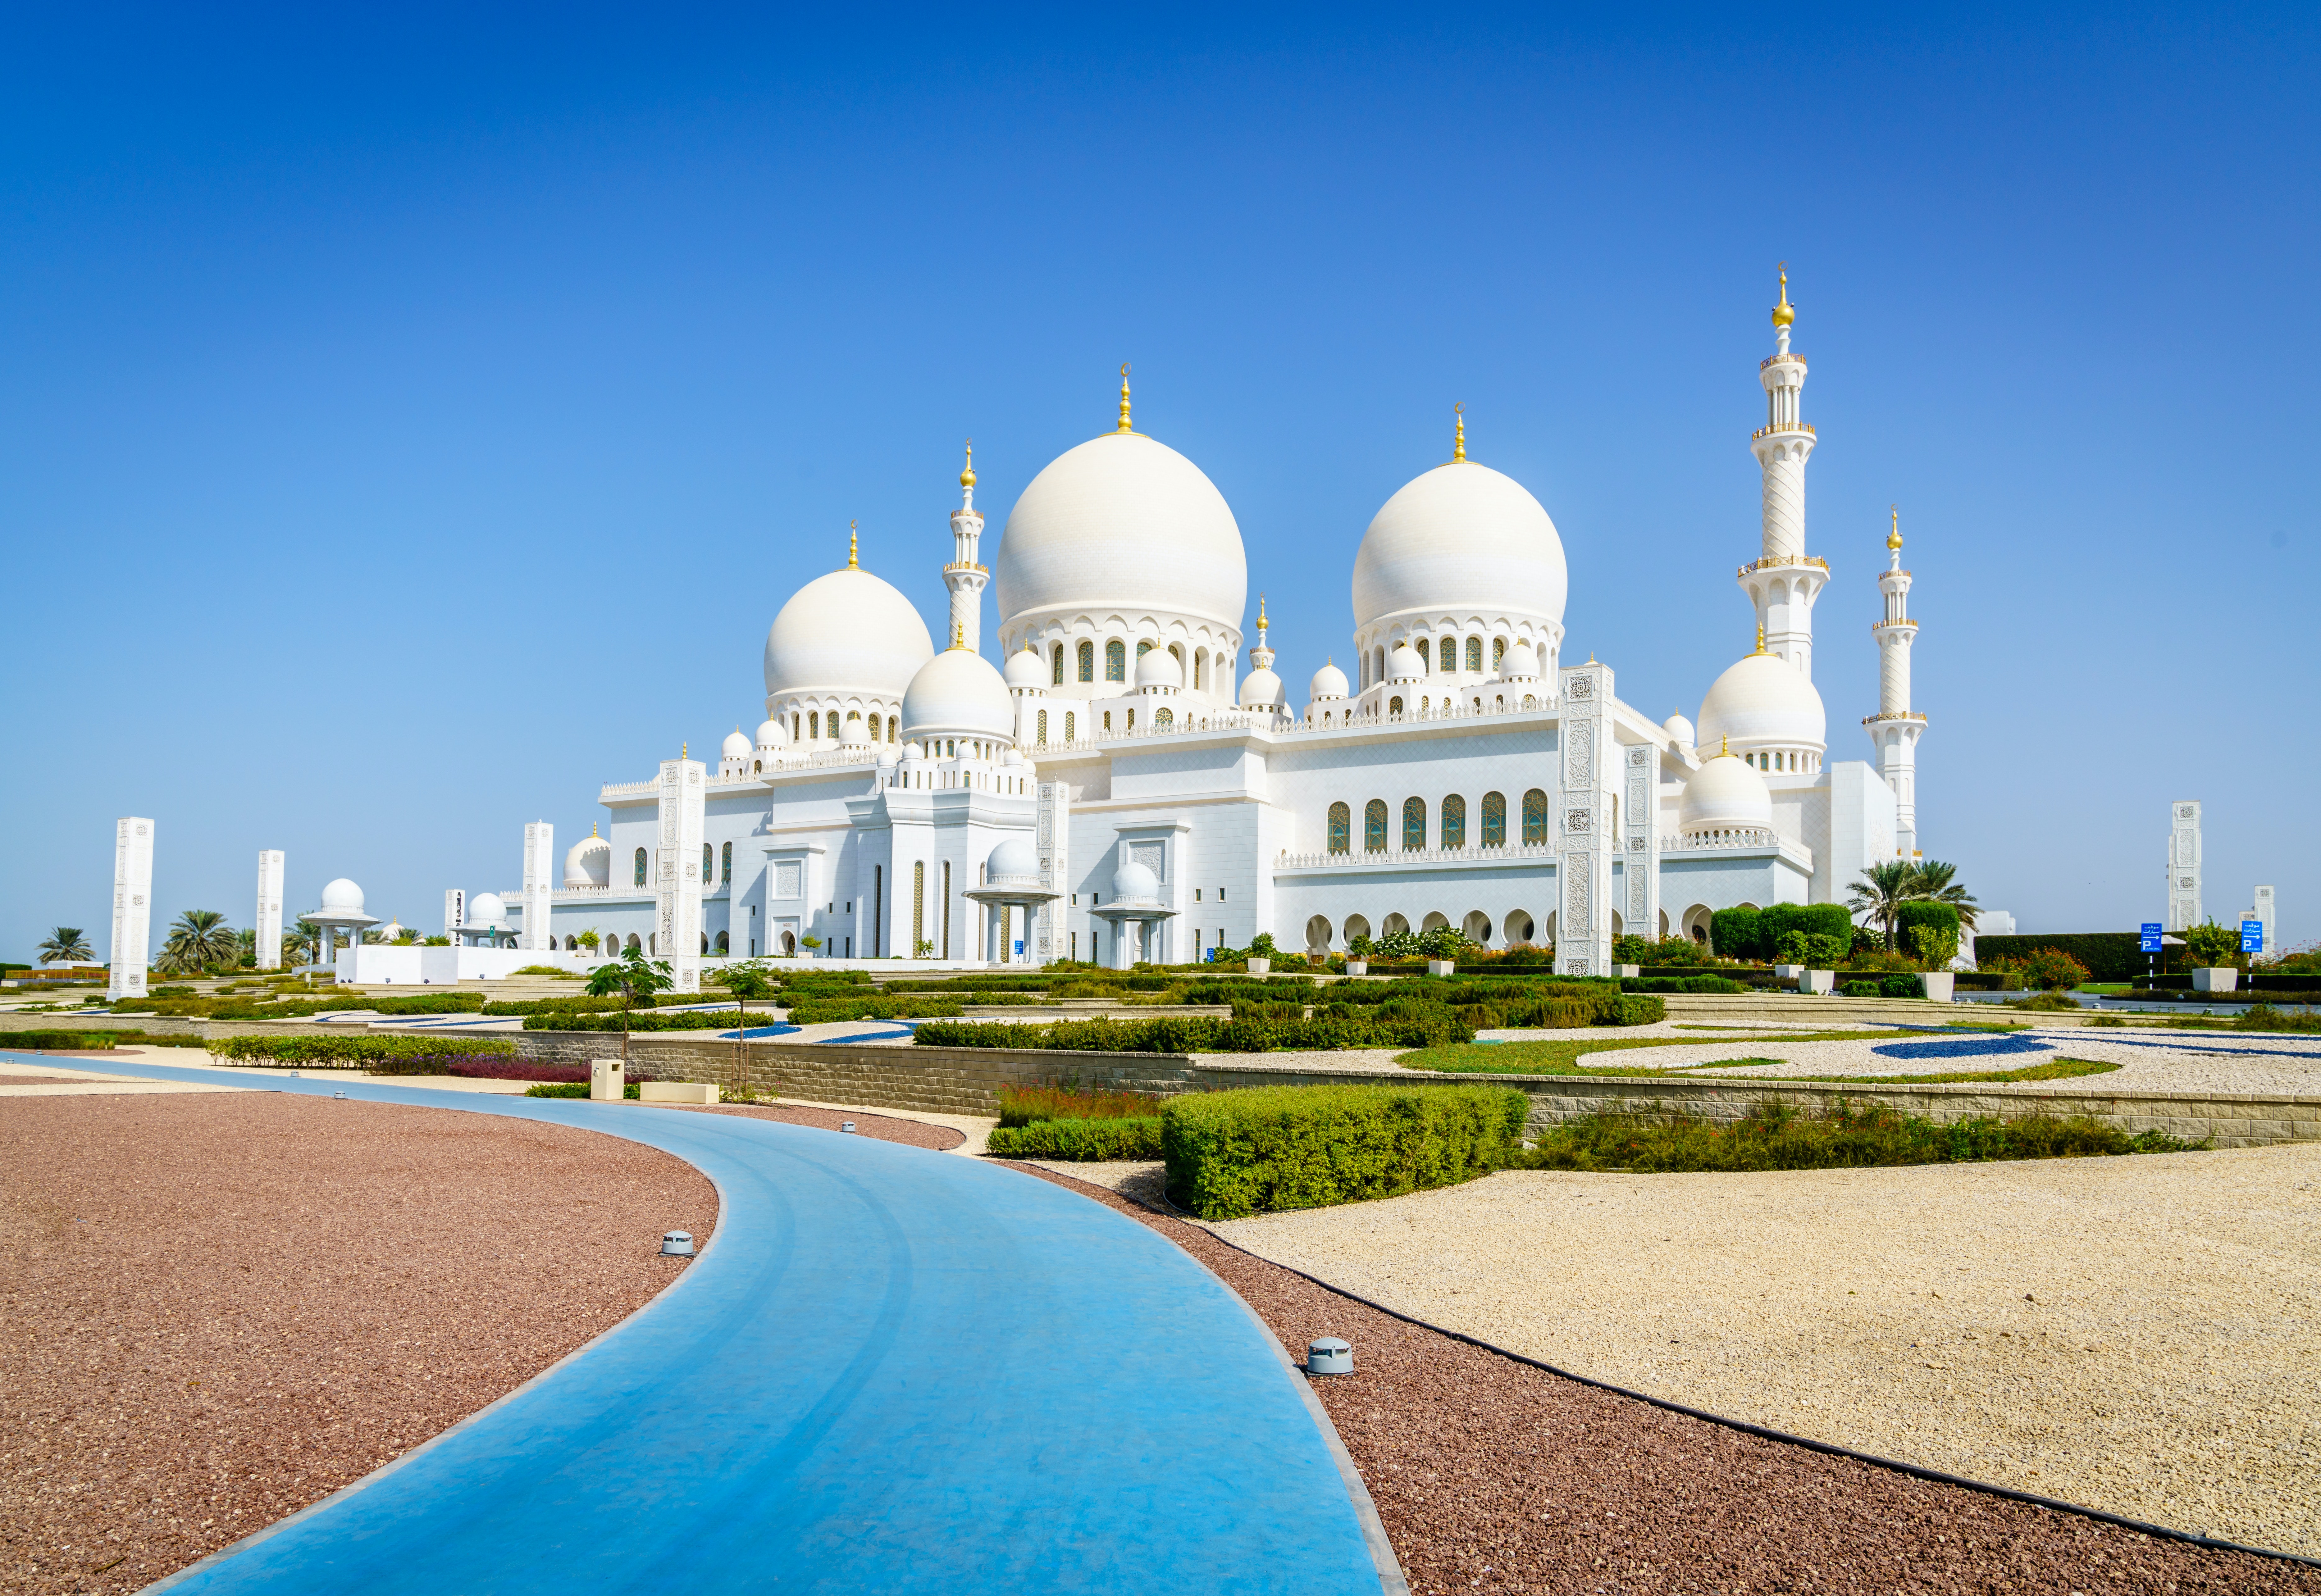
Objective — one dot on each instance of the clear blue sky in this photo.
(411, 419)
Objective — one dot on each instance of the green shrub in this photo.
(639, 1020)
(571, 1089)
(1025, 1105)
(35, 1041)
(1081, 1141)
(1736, 933)
(561, 975)
(1859, 989)
(1683, 983)
(1900, 986)
(574, 1003)
(832, 1010)
(2108, 955)
(376, 1051)
(1775, 1136)
(1272, 1147)
(1199, 1034)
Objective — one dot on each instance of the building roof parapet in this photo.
(1786, 358)
(1778, 562)
(1894, 715)
(1805, 427)
(1882, 625)
(1407, 858)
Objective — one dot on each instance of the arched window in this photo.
(724, 943)
(708, 864)
(814, 725)
(1116, 661)
(1071, 725)
(1475, 655)
(1056, 665)
(1454, 821)
(1499, 651)
(725, 866)
(1534, 816)
(1200, 669)
(1088, 662)
(705, 944)
(1448, 659)
(1414, 825)
(918, 904)
(1374, 826)
(1042, 735)
(1378, 671)
(632, 936)
(756, 767)
(794, 728)
(1495, 819)
(1394, 706)
(1175, 653)
(1341, 825)
(641, 867)
(1162, 718)
(1420, 647)
(894, 729)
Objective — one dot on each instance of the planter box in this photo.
(1441, 966)
(1937, 986)
(2227, 979)
(693, 1092)
(1628, 972)
(1259, 967)
(1787, 972)
(1818, 982)
(1358, 966)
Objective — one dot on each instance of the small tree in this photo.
(1880, 892)
(630, 978)
(2210, 946)
(746, 982)
(1358, 947)
(923, 947)
(589, 940)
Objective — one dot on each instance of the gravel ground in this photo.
(219, 1310)
(1491, 1476)
(2140, 1333)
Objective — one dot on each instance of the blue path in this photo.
(891, 1370)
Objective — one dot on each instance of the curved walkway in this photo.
(892, 1370)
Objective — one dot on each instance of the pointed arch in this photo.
(1340, 829)
(1373, 827)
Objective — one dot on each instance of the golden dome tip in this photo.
(1785, 313)
(967, 476)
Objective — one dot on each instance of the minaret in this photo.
(1785, 581)
(1261, 657)
(963, 576)
(1895, 728)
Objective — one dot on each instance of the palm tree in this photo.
(300, 941)
(66, 946)
(1880, 890)
(1932, 880)
(200, 938)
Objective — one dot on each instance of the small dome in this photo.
(1135, 882)
(958, 693)
(912, 750)
(343, 894)
(1260, 689)
(1159, 668)
(1015, 760)
(588, 863)
(1403, 664)
(1024, 670)
(1726, 795)
(773, 734)
(1519, 664)
(1764, 701)
(1329, 681)
(485, 909)
(845, 632)
(1013, 860)
(1679, 729)
(1462, 537)
(736, 746)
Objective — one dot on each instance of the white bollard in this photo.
(607, 1080)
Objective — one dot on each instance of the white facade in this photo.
(133, 906)
(2184, 864)
(269, 909)
(1155, 799)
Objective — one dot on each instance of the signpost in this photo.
(2152, 946)
(2252, 936)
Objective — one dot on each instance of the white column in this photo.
(1894, 729)
(1582, 820)
(964, 577)
(269, 909)
(2184, 865)
(677, 877)
(2264, 917)
(455, 912)
(1784, 581)
(1640, 833)
(133, 905)
(539, 860)
(1053, 839)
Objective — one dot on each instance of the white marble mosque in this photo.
(1136, 782)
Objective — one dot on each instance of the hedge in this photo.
(2109, 956)
(830, 1011)
(380, 1053)
(1081, 1141)
(1270, 1148)
(35, 1041)
(1197, 1034)
(1682, 983)
(640, 1021)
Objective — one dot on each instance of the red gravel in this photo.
(221, 1308)
(913, 1133)
(1493, 1476)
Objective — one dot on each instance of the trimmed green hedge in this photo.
(1757, 933)
(1085, 1141)
(2109, 956)
(378, 1052)
(1269, 1147)
(1175, 1034)
(641, 1020)
(35, 1041)
(831, 1012)
(1682, 983)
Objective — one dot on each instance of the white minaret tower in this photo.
(1894, 729)
(1785, 581)
(963, 576)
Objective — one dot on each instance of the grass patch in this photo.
(2262, 1017)
(1844, 1136)
(2054, 1069)
(1027, 1105)
(1554, 1056)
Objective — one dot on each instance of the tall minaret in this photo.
(1895, 728)
(963, 576)
(1784, 583)
(1261, 658)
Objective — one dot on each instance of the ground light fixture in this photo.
(1330, 1356)
(677, 1244)
(846, 1125)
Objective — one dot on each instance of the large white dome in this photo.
(485, 909)
(846, 632)
(1764, 701)
(958, 693)
(1122, 522)
(343, 895)
(1465, 538)
(1723, 795)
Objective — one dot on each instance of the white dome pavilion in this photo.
(342, 896)
(958, 693)
(1024, 669)
(736, 745)
(1134, 883)
(1725, 796)
(485, 909)
(772, 735)
(1015, 862)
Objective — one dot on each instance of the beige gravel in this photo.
(2141, 1334)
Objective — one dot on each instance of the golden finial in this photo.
(1124, 427)
(959, 634)
(967, 477)
(1261, 612)
(1894, 538)
(1459, 436)
(685, 750)
(592, 828)
(1724, 747)
(853, 548)
(1761, 637)
(1784, 313)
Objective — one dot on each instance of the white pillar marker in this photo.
(133, 906)
(269, 909)
(539, 859)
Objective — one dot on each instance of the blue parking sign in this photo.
(2252, 936)
(2150, 936)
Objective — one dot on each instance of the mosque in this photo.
(1136, 781)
